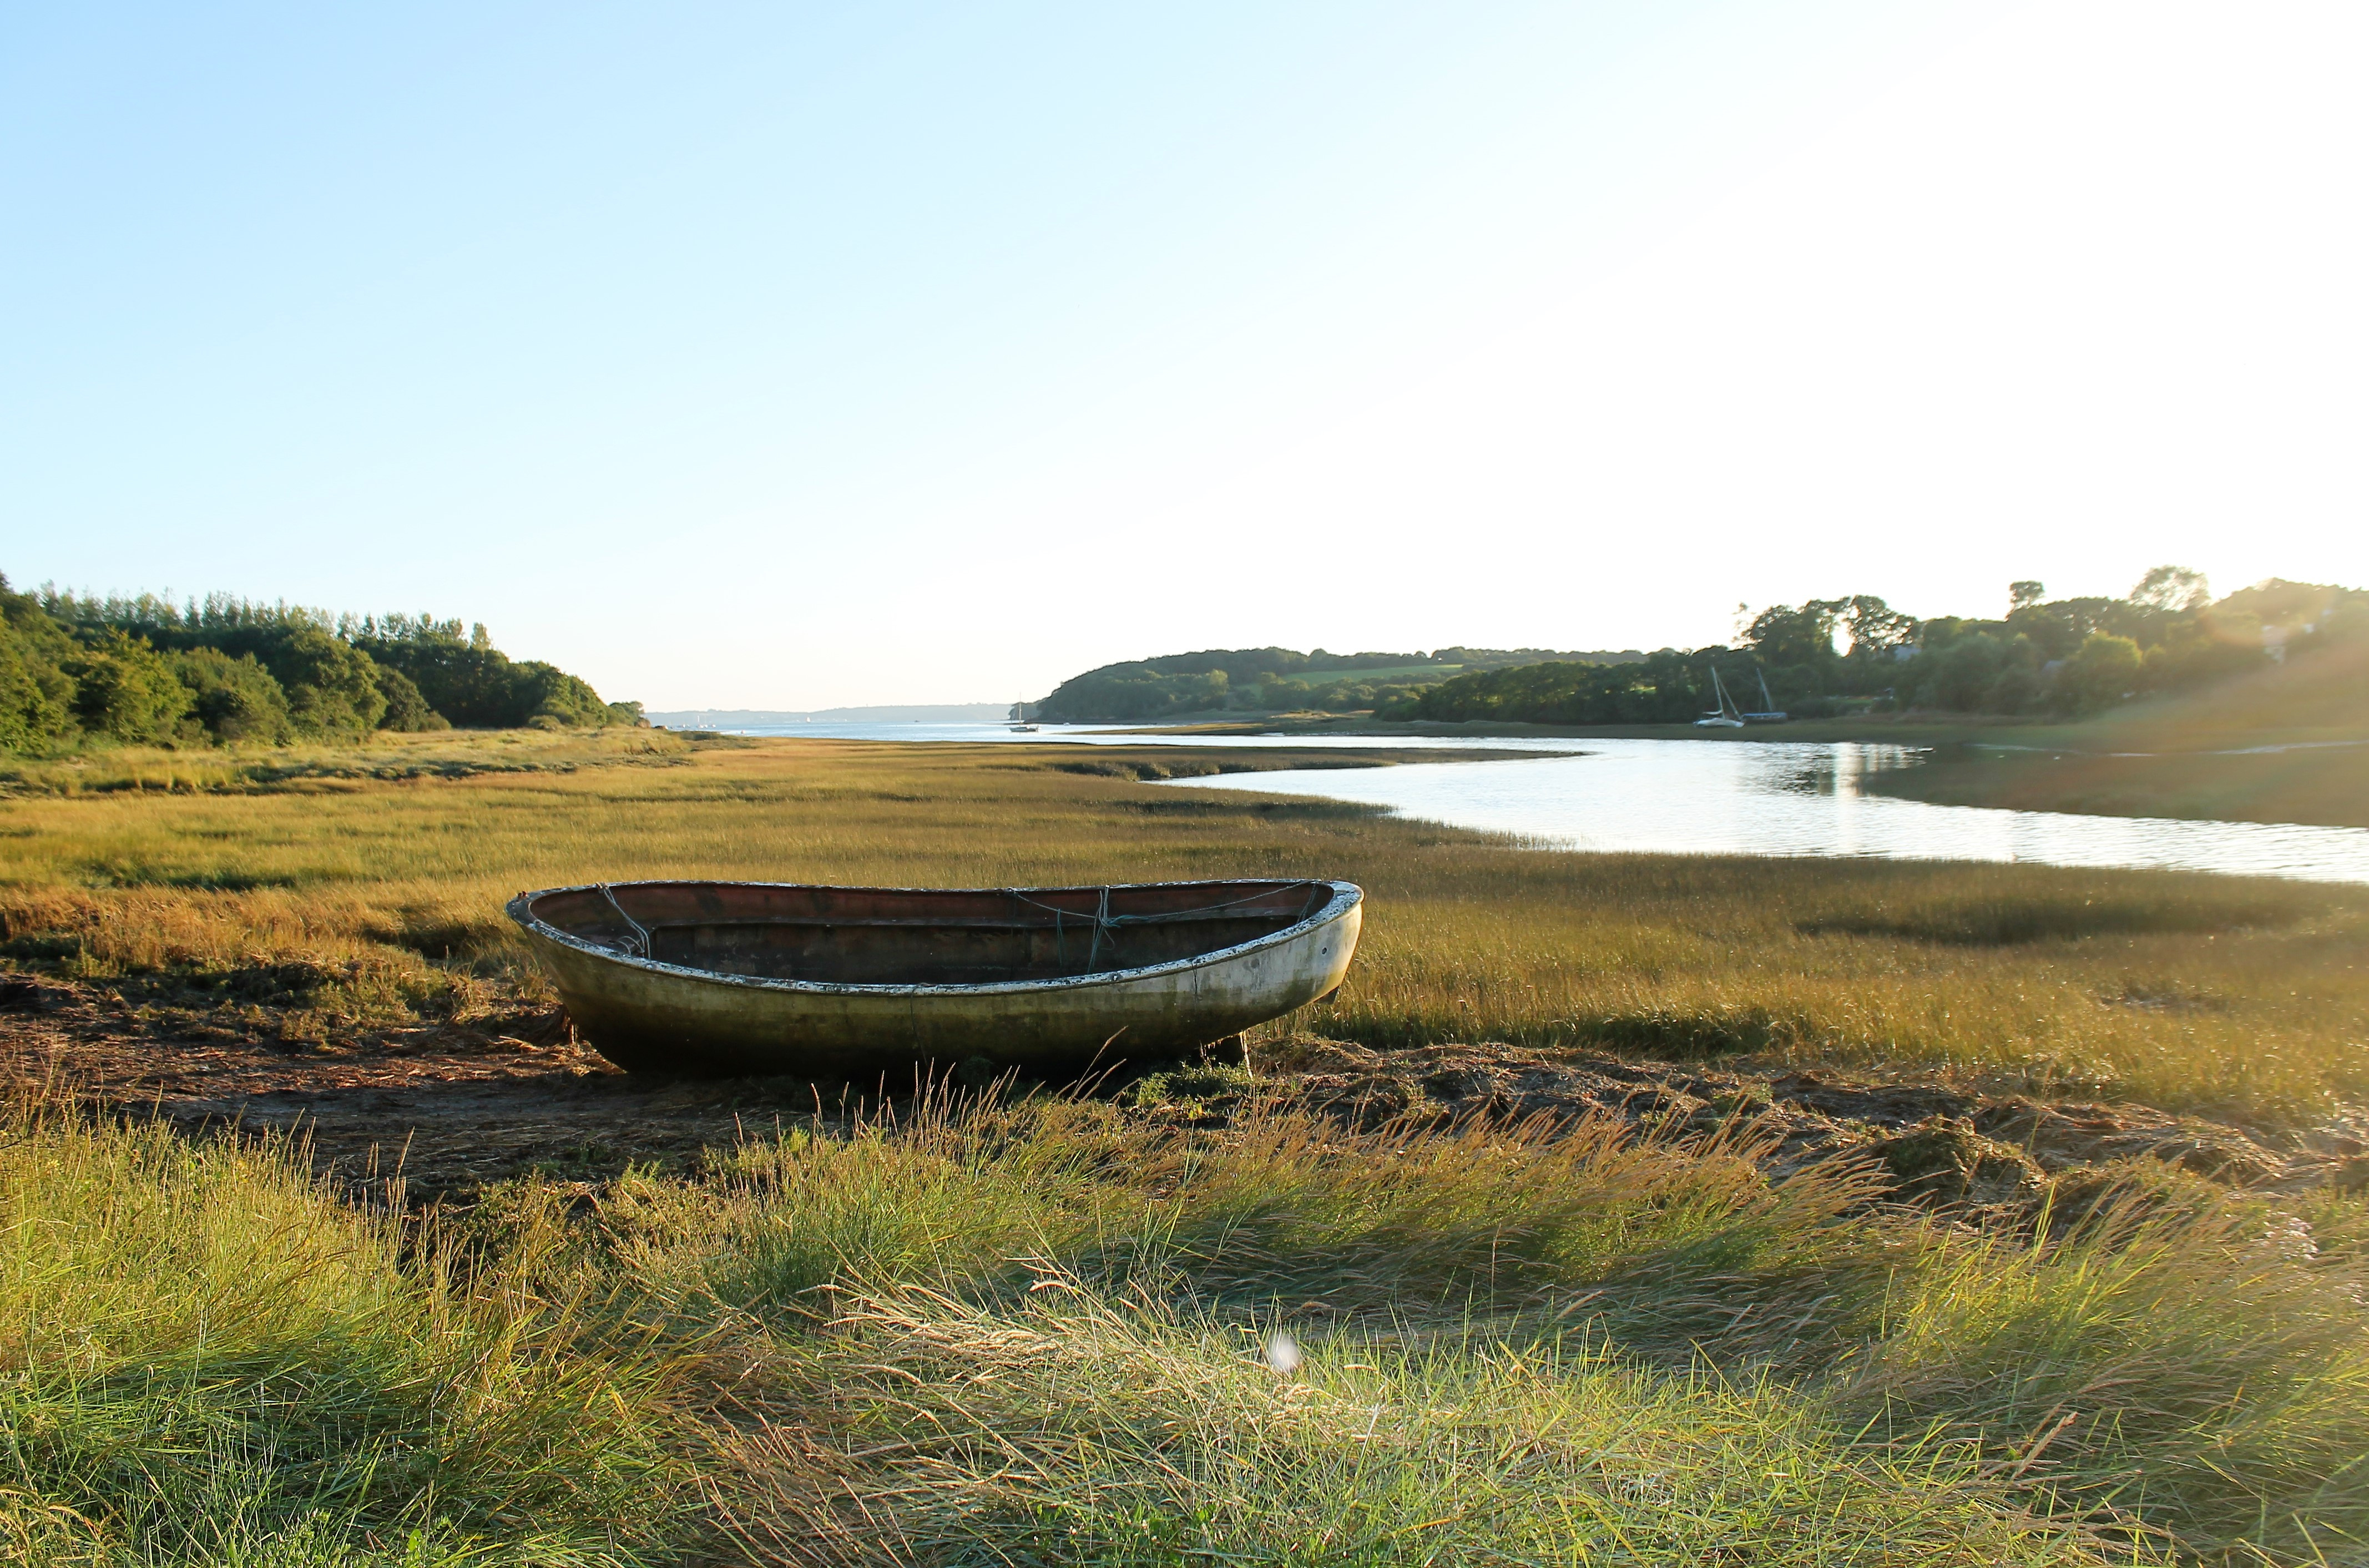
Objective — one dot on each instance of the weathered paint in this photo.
(1264, 949)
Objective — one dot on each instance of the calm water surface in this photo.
(1711, 797)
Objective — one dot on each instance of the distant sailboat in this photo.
(1769, 712)
(1726, 715)
(1020, 712)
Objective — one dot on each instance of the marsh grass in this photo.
(1283, 1209)
(981, 1330)
(384, 757)
(206, 1359)
(2230, 995)
(989, 1332)
(1599, 1344)
(1073, 1429)
(2203, 1371)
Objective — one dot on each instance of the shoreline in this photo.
(2089, 737)
(2304, 777)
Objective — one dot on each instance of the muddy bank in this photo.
(454, 1108)
(1943, 1142)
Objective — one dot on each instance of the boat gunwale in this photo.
(521, 910)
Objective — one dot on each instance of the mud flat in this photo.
(455, 1110)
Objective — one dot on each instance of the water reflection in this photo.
(1721, 797)
(1692, 797)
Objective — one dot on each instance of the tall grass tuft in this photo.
(1077, 1428)
(1680, 1239)
(205, 1359)
(2209, 1372)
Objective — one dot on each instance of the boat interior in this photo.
(924, 936)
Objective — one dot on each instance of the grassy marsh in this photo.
(1038, 1333)
(984, 1332)
(2242, 997)
(2324, 782)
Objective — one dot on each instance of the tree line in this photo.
(1268, 680)
(78, 670)
(2061, 657)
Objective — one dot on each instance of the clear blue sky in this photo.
(785, 357)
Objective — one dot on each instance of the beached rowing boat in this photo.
(765, 977)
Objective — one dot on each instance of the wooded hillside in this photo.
(79, 671)
(1272, 680)
(2067, 658)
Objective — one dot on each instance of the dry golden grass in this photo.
(2248, 996)
(995, 1333)
(145, 770)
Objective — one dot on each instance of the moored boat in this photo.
(783, 979)
(1725, 715)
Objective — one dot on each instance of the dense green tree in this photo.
(474, 684)
(2192, 653)
(473, 687)
(2017, 688)
(2058, 628)
(1667, 687)
(1876, 628)
(1790, 635)
(331, 685)
(2104, 670)
(37, 695)
(548, 691)
(1124, 697)
(126, 691)
(407, 710)
(235, 699)
(1957, 674)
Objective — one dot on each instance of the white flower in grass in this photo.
(2289, 1236)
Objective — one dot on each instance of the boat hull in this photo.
(1278, 946)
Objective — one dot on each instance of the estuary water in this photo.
(1770, 797)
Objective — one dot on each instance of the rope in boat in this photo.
(1106, 924)
(641, 933)
(1318, 892)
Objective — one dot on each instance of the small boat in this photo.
(1020, 717)
(769, 978)
(1725, 715)
(1769, 713)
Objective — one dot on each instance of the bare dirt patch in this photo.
(449, 1108)
(453, 1108)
